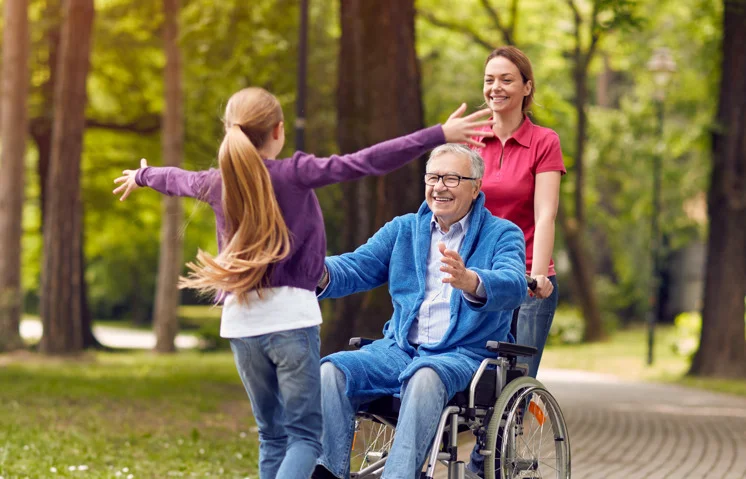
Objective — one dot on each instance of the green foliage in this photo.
(567, 327)
(232, 44)
(688, 333)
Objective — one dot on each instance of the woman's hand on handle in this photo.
(460, 129)
(128, 181)
(544, 287)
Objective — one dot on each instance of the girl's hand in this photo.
(544, 287)
(128, 181)
(462, 130)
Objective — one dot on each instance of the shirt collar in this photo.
(522, 135)
(463, 222)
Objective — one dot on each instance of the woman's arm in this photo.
(546, 202)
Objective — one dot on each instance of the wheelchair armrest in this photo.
(360, 342)
(510, 349)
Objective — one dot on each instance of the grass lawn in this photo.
(625, 355)
(133, 415)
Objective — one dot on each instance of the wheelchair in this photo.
(519, 425)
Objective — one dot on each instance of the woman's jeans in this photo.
(280, 371)
(534, 320)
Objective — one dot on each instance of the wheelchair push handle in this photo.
(531, 283)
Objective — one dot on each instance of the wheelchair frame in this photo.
(485, 401)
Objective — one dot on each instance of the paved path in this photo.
(621, 430)
(114, 337)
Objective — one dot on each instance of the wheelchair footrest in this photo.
(510, 349)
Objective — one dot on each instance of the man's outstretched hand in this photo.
(461, 278)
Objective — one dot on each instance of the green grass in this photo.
(121, 414)
(625, 355)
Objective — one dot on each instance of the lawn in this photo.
(625, 354)
(128, 415)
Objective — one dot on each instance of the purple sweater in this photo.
(294, 180)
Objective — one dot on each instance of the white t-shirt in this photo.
(282, 308)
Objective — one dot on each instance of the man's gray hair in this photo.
(477, 163)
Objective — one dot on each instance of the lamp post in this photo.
(662, 66)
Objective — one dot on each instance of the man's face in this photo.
(450, 204)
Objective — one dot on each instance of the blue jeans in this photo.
(534, 320)
(280, 372)
(423, 399)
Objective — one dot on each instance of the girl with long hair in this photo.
(272, 246)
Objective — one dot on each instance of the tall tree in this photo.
(722, 350)
(378, 98)
(14, 130)
(41, 132)
(61, 305)
(172, 139)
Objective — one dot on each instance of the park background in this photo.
(647, 97)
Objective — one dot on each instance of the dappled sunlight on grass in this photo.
(121, 414)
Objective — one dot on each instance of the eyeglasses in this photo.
(450, 181)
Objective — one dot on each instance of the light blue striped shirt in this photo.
(434, 316)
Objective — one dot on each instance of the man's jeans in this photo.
(280, 371)
(423, 400)
(534, 320)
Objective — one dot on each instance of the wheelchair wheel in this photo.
(527, 434)
(370, 447)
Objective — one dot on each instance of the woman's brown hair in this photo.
(256, 235)
(520, 60)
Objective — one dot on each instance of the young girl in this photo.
(272, 246)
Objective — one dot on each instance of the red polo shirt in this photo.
(509, 188)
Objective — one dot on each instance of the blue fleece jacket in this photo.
(397, 254)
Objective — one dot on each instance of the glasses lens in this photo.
(431, 179)
(451, 181)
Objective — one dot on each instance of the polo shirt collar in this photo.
(524, 132)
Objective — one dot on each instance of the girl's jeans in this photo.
(280, 371)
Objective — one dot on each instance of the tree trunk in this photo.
(13, 134)
(722, 350)
(61, 305)
(378, 98)
(41, 132)
(172, 139)
(573, 228)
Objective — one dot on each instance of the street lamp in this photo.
(662, 66)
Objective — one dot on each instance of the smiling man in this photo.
(455, 274)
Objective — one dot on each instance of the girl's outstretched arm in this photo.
(387, 156)
(171, 181)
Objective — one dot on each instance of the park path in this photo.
(114, 337)
(630, 430)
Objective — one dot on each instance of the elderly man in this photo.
(455, 274)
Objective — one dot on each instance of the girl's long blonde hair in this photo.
(256, 235)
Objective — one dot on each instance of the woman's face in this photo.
(504, 88)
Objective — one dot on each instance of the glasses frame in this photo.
(443, 178)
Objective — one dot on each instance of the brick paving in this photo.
(621, 430)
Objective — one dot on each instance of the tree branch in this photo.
(495, 16)
(513, 20)
(455, 27)
(145, 125)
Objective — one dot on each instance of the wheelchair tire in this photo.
(518, 420)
